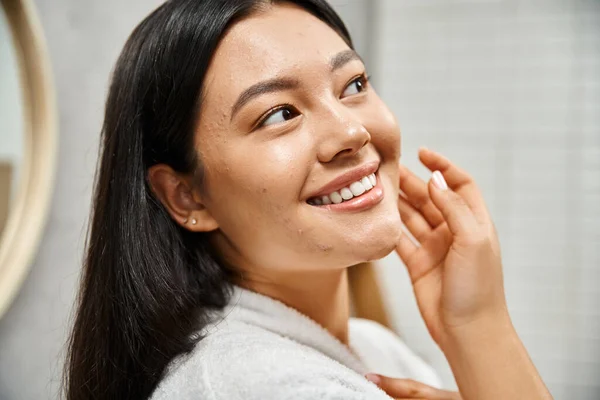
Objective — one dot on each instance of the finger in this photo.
(418, 196)
(457, 179)
(460, 218)
(410, 389)
(413, 219)
(429, 255)
(406, 249)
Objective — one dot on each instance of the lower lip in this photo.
(363, 202)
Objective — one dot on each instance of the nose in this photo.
(343, 135)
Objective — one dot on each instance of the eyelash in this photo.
(363, 78)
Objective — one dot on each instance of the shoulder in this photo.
(240, 361)
(384, 352)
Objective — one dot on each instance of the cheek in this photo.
(385, 132)
(254, 183)
(255, 194)
(385, 137)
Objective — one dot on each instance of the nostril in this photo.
(345, 152)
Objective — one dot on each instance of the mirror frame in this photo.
(20, 239)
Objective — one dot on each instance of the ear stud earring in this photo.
(185, 221)
(194, 221)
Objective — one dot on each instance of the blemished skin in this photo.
(266, 152)
(259, 178)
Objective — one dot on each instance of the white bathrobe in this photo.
(260, 349)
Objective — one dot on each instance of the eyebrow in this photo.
(270, 86)
(281, 84)
(343, 58)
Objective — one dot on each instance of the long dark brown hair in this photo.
(147, 284)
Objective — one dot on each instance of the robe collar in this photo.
(270, 314)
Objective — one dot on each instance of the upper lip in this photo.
(347, 178)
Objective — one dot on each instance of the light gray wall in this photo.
(84, 38)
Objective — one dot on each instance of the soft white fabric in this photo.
(260, 349)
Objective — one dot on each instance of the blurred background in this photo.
(509, 89)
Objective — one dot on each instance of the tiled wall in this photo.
(510, 90)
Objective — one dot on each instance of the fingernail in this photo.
(373, 378)
(439, 181)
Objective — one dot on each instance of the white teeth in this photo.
(366, 183)
(357, 188)
(335, 198)
(346, 194)
(373, 179)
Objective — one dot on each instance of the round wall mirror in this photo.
(28, 139)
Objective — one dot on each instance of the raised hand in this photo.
(456, 272)
(455, 267)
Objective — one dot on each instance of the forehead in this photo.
(281, 40)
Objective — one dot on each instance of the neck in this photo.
(320, 295)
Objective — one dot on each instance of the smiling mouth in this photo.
(355, 189)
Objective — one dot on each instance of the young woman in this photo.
(246, 163)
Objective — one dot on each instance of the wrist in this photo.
(489, 361)
(489, 328)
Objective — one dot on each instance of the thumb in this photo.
(409, 389)
(459, 217)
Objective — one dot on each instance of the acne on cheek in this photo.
(324, 248)
(306, 236)
(317, 246)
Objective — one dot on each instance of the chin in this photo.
(376, 243)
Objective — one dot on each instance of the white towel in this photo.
(258, 348)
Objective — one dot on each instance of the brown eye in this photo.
(280, 115)
(357, 86)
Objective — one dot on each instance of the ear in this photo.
(181, 199)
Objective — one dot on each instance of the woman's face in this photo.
(288, 118)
